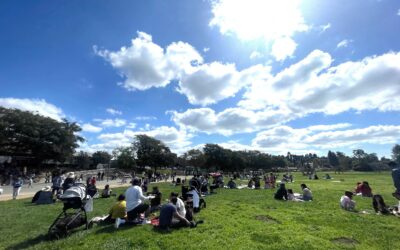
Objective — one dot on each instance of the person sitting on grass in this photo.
(43, 196)
(380, 207)
(257, 183)
(250, 184)
(170, 218)
(307, 194)
(156, 201)
(134, 201)
(231, 184)
(197, 201)
(291, 196)
(281, 193)
(346, 201)
(116, 215)
(327, 177)
(180, 205)
(106, 193)
(365, 189)
(357, 190)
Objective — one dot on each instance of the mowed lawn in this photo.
(233, 219)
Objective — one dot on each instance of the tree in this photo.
(215, 156)
(23, 133)
(83, 160)
(101, 157)
(396, 153)
(195, 158)
(125, 158)
(152, 152)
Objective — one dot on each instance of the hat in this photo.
(46, 188)
(70, 175)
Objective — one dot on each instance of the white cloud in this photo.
(275, 22)
(282, 48)
(325, 27)
(206, 50)
(87, 127)
(111, 122)
(312, 86)
(398, 12)
(229, 121)
(344, 43)
(177, 140)
(255, 55)
(282, 139)
(145, 64)
(131, 125)
(39, 106)
(114, 111)
(145, 118)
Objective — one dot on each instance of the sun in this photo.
(255, 19)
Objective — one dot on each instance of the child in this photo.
(346, 201)
(117, 214)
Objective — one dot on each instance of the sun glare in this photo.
(254, 19)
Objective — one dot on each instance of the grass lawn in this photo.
(233, 219)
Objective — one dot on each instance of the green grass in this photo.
(230, 222)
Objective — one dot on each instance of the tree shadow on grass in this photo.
(30, 242)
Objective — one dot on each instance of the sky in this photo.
(276, 76)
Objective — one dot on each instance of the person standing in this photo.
(56, 184)
(30, 181)
(17, 187)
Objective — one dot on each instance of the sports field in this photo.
(233, 219)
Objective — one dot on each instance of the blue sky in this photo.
(276, 76)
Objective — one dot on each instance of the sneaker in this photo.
(117, 222)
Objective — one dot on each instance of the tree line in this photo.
(43, 140)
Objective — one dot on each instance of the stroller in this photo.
(73, 198)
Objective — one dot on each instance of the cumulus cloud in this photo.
(344, 43)
(87, 127)
(325, 27)
(229, 121)
(145, 64)
(177, 140)
(111, 122)
(283, 48)
(312, 86)
(145, 118)
(284, 138)
(255, 55)
(113, 111)
(39, 106)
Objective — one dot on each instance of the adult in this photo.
(180, 205)
(170, 218)
(281, 193)
(69, 181)
(396, 179)
(106, 193)
(17, 185)
(307, 194)
(232, 184)
(44, 196)
(197, 201)
(346, 201)
(56, 184)
(135, 200)
(156, 201)
(365, 189)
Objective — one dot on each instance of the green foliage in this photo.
(152, 152)
(396, 153)
(83, 160)
(101, 157)
(26, 134)
(125, 158)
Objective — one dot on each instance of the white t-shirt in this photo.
(347, 203)
(196, 198)
(134, 197)
(180, 207)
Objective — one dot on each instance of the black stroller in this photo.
(75, 199)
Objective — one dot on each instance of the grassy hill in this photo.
(233, 219)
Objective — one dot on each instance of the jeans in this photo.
(16, 192)
(396, 179)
